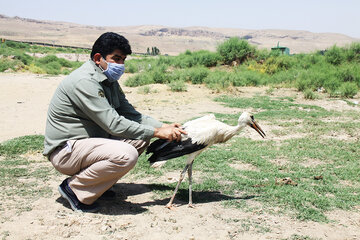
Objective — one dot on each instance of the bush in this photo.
(261, 55)
(304, 81)
(131, 67)
(353, 53)
(218, 80)
(332, 85)
(235, 49)
(205, 58)
(35, 69)
(349, 73)
(53, 68)
(17, 45)
(158, 74)
(177, 86)
(24, 58)
(178, 75)
(5, 64)
(281, 63)
(139, 79)
(286, 78)
(65, 63)
(47, 59)
(309, 94)
(243, 77)
(192, 59)
(335, 55)
(348, 89)
(197, 75)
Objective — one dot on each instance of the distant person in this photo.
(93, 134)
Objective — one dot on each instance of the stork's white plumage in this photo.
(201, 133)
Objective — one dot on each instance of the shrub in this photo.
(177, 75)
(349, 73)
(53, 68)
(205, 58)
(64, 63)
(131, 67)
(177, 86)
(283, 77)
(303, 82)
(218, 80)
(144, 90)
(243, 77)
(309, 94)
(48, 59)
(139, 79)
(332, 85)
(16, 45)
(158, 74)
(335, 55)
(24, 58)
(5, 64)
(235, 49)
(281, 63)
(35, 69)
(348, 89)
(261, 55)
(353, 53)
(197, 75)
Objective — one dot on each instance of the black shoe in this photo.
(75, 204)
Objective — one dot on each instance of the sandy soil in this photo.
(135, 214)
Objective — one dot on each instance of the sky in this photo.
(320, 16)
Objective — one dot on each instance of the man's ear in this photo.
(97, 58)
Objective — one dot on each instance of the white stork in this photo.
(201, 133)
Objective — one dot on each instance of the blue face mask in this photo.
(113, 71)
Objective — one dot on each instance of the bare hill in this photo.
(169, 40)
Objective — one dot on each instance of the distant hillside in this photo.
(169, 40)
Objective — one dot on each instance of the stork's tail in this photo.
(158, 164)
(163, 150)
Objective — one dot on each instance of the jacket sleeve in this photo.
(89, 97)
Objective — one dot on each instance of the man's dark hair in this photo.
(108, 42)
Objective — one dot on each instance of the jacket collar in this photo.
(96, 72)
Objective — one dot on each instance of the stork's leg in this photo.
(169, 205)
(190, 184)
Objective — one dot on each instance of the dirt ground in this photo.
(24, 99)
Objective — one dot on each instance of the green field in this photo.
(316, 149)
(323, 168)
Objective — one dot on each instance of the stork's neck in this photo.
(231, 131)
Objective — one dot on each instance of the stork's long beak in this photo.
(256, 126)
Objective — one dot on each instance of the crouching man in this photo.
(93, 134)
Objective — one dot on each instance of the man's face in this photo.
(114, 57)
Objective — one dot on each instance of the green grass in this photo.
(310, 154)
(20, 177)
(310, 147)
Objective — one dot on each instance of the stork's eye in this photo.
(252, 117)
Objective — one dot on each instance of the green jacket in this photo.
(87, 105)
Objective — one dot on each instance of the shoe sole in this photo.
(73, 207)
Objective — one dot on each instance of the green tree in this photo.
(235, 49)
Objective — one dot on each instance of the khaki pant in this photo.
(96, 164)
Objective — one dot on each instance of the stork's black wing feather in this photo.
(163, 150)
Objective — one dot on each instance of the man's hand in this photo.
(170, 132)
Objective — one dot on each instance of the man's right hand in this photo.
(169, 132)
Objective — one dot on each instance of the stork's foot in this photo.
(190, 205)
(171, 206)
